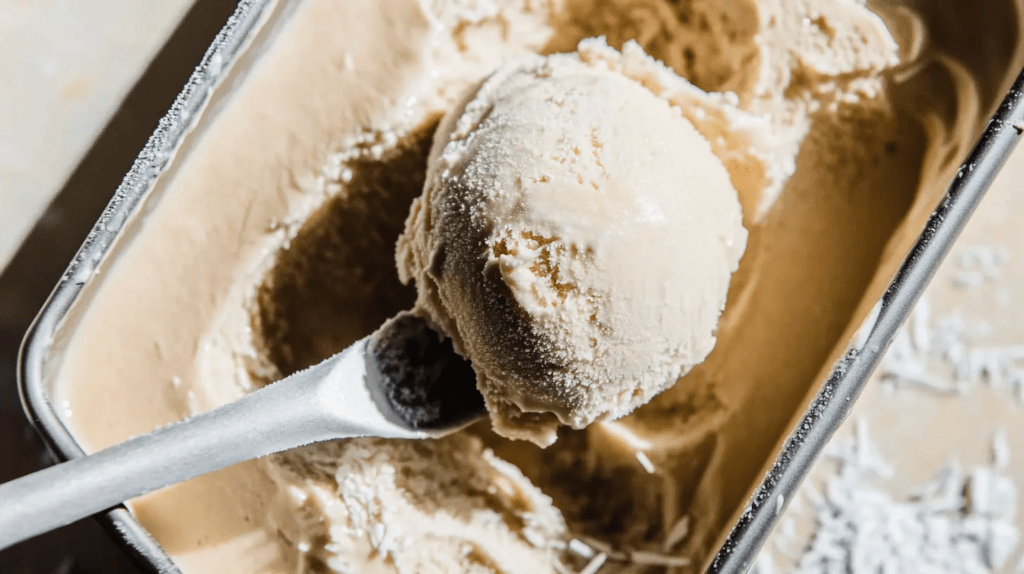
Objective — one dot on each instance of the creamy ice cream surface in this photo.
(269, 244)
(575, 238)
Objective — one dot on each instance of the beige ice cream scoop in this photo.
(575, 238)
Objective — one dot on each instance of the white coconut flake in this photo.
(580, 548)
(957, 522)
(645, 462)
(962, 520)
(968, 279)
(945, 356)
(987, 260)
(595, 564)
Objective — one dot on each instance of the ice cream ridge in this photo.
(575, 239)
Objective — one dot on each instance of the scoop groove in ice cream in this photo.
(575, 238)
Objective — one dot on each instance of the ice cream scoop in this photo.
(576, 238)
(401, 382)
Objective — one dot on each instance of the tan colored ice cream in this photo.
(575, 238)
(269, 244)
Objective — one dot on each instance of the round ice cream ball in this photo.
(575, 239)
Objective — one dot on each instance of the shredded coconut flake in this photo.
(957, 522)
(580, 548)
(942, 356)
(595, 564)
(645, 462)
(979, 264)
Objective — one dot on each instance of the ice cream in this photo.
(269, 244)
(575, 238)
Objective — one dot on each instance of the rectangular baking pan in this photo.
(229, 55)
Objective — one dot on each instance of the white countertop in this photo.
(66, 67)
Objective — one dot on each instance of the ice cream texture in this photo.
(575, 238)
(269, 244)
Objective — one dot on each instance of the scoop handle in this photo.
(327, 401)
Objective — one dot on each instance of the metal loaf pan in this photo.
(233, 51)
